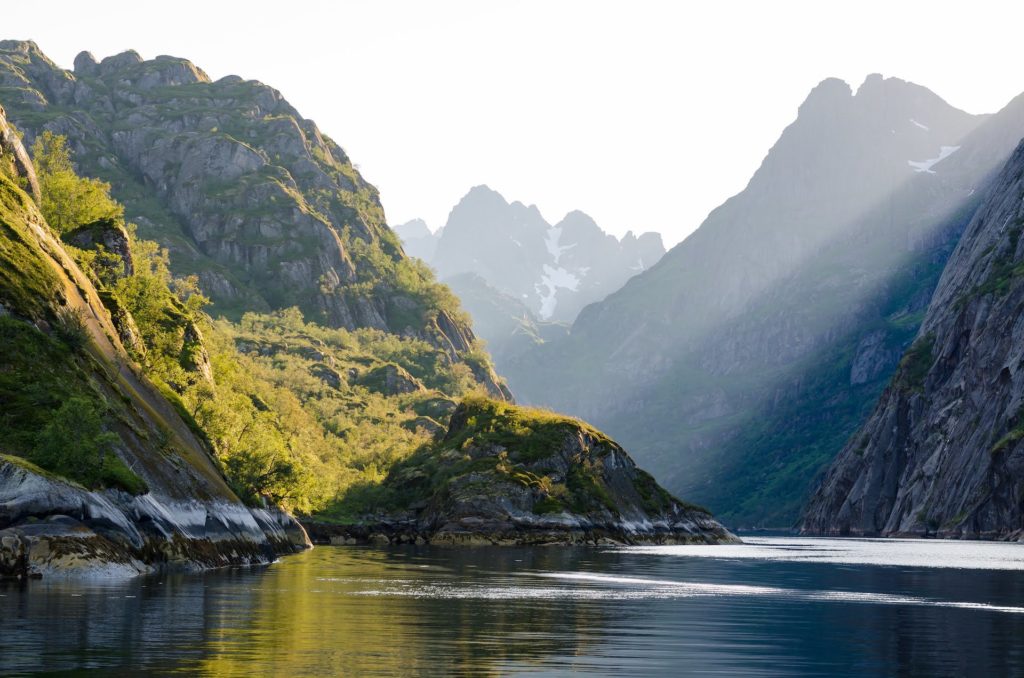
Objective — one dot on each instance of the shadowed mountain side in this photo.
(942, 452)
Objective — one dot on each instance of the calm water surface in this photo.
(774, 606)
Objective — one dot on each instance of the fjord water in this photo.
(773, 606)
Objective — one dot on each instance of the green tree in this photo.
(74, 444)
(69, 201)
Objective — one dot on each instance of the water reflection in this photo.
(357, 611)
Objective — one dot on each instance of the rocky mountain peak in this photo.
(827, 95)
(414, 228)
(122, 60)
(20, 46)
(85, 63)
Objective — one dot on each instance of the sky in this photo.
(646, 115)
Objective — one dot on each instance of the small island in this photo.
(504, 474)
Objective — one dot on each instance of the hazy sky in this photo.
(646, 115)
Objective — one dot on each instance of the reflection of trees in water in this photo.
(64, 625)
(299, 624)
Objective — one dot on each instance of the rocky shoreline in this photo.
(53, 528)
(470, 531)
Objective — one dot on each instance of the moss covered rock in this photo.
(504, 474)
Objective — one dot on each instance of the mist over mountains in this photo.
(739, 365)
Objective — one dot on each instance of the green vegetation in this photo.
(1015, 434)
(1004, 269)
(528, 433)
(73, 444)
(53, 415)
(492, 445)
(68, 200)
(914, 366)
(292, 424)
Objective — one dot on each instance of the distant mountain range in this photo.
(555, 270)
(739, 365)
(520, 276)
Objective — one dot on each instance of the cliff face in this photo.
(267, 210)
(943, 452)
(737, 367)
(170, 503)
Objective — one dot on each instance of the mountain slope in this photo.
(736, 367)
(509, 327)
(266, 210)
(160, 497)
(942, 453)
(305, 393)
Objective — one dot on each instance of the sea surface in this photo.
(773, 606)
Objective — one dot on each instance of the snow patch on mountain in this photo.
(926, 165)
(551, 281)
(554, 234)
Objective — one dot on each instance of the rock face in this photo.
(267, 210)
(182, 513)
(53, 528)
(509, 475)
(737, 367)
(943, 452)
(11, 147)
(108, 234)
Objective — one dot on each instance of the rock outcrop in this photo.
(12, 148)
(51, 527)
(109, 234)
(508, 475)
(943, 452)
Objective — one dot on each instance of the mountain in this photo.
(942, 452)
(521, 279)
(555, 270)
(146, 489)
(738, 366)
(417, 239)
(243, 191)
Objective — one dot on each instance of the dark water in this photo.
(776, 606)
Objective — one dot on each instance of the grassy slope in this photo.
(40, 371)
